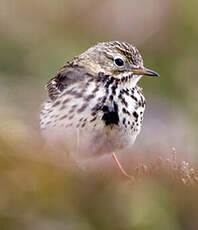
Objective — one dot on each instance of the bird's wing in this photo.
(67, 76)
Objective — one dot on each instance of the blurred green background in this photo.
(36, 38)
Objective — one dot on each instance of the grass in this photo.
(37, 193)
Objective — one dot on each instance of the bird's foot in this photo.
(121, 168)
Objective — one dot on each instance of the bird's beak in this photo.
(144, 71)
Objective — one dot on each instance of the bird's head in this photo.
(117, 59)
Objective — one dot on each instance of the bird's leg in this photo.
(121, 168)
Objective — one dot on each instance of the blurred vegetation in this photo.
(37, 37)
(36, 193)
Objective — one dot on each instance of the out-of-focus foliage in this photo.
(37, 37)
(37, 193)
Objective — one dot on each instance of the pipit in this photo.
(95, 105)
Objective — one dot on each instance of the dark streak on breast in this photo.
(110, 116)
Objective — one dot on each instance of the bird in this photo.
(94, 104)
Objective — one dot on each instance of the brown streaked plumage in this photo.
(95, 105)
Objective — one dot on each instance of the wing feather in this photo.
(67, 76)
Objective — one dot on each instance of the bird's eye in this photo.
(119, 61)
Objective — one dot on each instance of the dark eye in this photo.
(119, 62)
